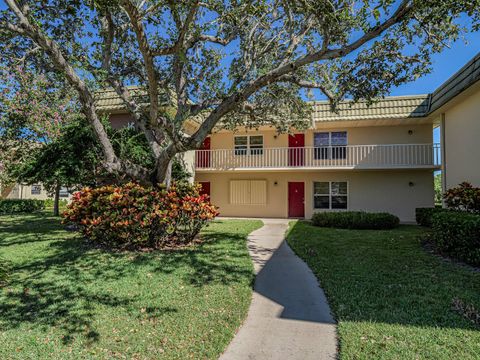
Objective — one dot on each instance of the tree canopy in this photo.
(225, 62)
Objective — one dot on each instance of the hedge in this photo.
(355, 220)
(13, 206)
(457, 234)
(423, 216)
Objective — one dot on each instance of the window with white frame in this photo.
(36, 189)
(248, 145)
(330, 195)
(330, 145)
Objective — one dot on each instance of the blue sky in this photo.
(444, 66)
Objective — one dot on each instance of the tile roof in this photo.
(392, 107)
(458, 82)
(108, 100)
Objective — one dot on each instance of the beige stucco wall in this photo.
(25, 192)
(462, 142)
(365, 135)
(368, 190)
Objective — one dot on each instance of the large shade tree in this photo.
(226, 62)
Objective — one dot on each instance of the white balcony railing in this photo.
(351, 156)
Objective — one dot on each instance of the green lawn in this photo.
(392, 300)
(68, 301)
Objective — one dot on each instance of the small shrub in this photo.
(133, 216)
(464, 197)
(423, 216)
(355, 220)
(457, 234)
(14, 206)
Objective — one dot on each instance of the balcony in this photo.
(391, 156)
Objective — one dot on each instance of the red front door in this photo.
(296, 150)
(296, 199)
(203, 155)
(205, 188)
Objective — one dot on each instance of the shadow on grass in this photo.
(55, 288)
(385, 276)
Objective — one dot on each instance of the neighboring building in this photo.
(455, 108)
(35, 191)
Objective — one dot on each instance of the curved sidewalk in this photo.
(289, 317)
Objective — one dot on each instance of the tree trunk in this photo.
(56, 201)
(163, 171)
(168, 175)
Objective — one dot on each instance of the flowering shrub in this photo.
(132, 216)
(464, 197)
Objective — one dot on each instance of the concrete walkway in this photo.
(289, 317)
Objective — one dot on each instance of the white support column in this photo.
(443, 154)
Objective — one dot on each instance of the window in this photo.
(330, 195)
(36, 189)
(330, 145)
(248, 192)
(248, 145)
(63, 192)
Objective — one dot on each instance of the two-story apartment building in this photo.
(377, 158)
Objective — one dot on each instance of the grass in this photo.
(392, 300)
(65, 300)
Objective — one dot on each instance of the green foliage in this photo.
(33, 112)
(133, 216)
(179, 172)
(68, 301)
(391, 298)
(355, 220)
(423, 216)
(61, 202)
(464, 197)
(5, 271)
(12, 206)
(457, 234)
(71, 160)
(437, 184)
(130, 144)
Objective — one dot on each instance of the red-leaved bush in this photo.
(464, 197)
(134, 216)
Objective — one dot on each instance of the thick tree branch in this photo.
(307, 84)
(139, 30)
(234, 100)
(112, 163)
